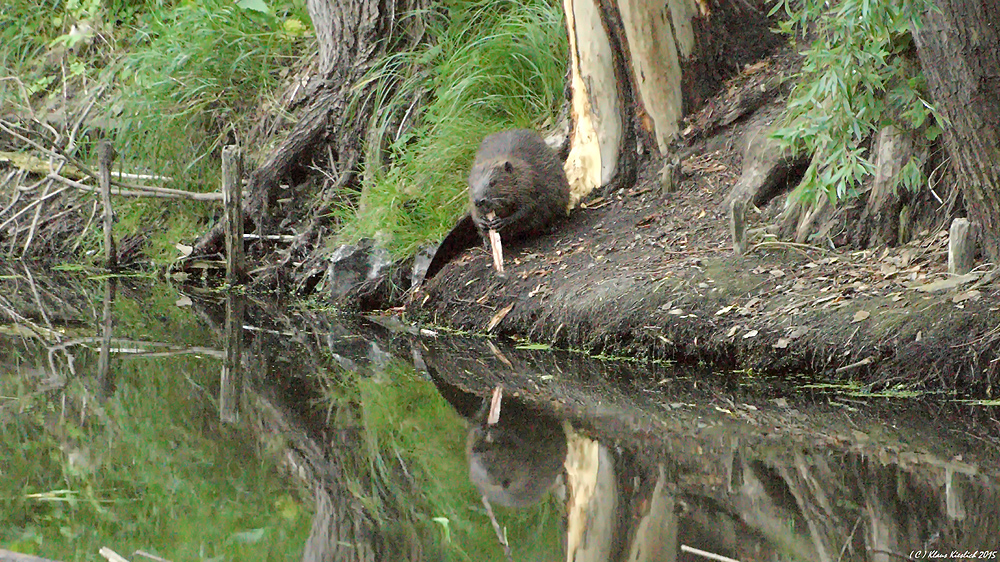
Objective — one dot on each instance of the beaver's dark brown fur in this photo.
(520, 179)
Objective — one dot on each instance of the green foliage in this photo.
(495, 64)
(194, 76)
(177, 80)
(859, 75)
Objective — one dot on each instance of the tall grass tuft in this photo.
(496, 64)
(193, 80)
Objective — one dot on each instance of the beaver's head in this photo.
(493, 187)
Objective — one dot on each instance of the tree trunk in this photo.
(879, 223)
(638, 68)
(959, 47)
(352, 34)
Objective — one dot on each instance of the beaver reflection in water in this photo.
(517, 460)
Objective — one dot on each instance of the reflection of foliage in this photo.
(148, 468)
(415, 480)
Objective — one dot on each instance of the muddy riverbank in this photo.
(651, 273)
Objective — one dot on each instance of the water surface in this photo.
(193, 425)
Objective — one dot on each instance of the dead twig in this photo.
(34, 221)
(501, 534)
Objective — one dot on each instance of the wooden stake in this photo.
(105, 156)
(738, 225)
(961, 246)
(232, 200)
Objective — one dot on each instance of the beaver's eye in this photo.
(493, 182)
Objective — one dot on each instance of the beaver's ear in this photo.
(508, 167)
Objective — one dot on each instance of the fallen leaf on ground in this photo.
(499, 316)
(750, 334)
(183, 301)
(499, 354)
(946, 284)
(860, 315)
(973, 294)
(782, 343)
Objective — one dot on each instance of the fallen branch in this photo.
(79, 165)
(8, 556)
(144, 191)
(707, 554)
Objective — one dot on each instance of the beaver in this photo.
(518, 178)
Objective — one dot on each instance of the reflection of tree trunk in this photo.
(341, 529)
(106, 381)
(592, 501)
(656, 535)
(323, 458)
(334, 529)
(884, 535)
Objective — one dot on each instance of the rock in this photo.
(421, 262)
(353, 264)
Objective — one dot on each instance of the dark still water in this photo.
(155, 425)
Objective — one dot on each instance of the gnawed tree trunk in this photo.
(639, 67)
(352, 35)
(959, 48)
(880, 219)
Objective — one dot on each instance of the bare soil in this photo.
(648, 273)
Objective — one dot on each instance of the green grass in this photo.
(495, 65)
(178, 79)
(193, 76)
